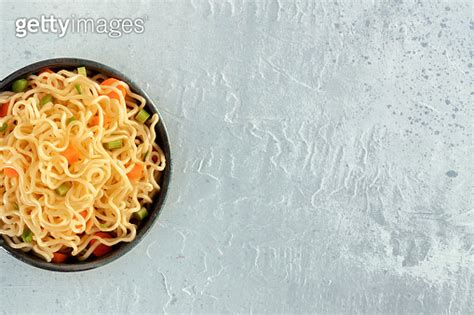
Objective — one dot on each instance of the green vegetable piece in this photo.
(142, 116)
(63, 189)
(45, 100)
(140, 214)
(27, 236)
(117, 144)
(19, 85)
(3, 127)
(70, 120)
(82, 70)
(78, 88)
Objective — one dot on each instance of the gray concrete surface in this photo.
(322, 157)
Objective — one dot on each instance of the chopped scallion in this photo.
(3, 127)
(19, 85)
(70, 120)
(63, 189)
(142, 116)
(117, 144)
(27, 236)
(46, 99)
(145, 155)
(140, 214)
(82, 70)
(78, 88)
(15, 206)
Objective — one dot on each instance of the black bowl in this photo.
(159, 199)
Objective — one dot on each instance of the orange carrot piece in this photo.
(89, 224)
(95, 120)
(101, 235)
(136, 172)
(110, 82)
(10, 172)
(102, 249)
(3, 109)
(71, 154)
(83, 214)
(59, 258)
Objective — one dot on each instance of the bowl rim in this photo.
(159, 200)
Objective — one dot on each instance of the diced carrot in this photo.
(71, 154)
(59, 258)
(4, 109)
(84, 215)
(102, 249)
(10, 172)
(46, 70)
(136, 172)
(89, 224)
(95, 120)
(101, 235)
(112, 81)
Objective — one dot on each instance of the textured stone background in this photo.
(322, 157)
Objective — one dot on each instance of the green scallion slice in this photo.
(27, 236)
(117, 144)
(82, 70)
(140, 214)
(19, 85)
(70, 120)
(63, 189)
(142, 116)
(145, 155)
(46, 99)
(78, 88)
(3, 127)
(15, 206)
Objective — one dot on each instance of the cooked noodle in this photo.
(101, 197)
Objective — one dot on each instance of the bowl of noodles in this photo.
(84, 164)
